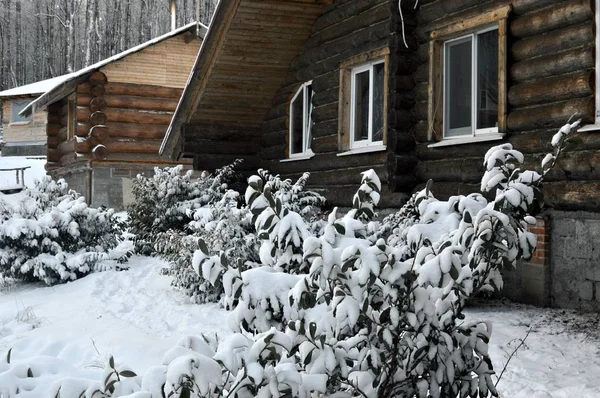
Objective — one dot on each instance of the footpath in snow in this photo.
(134, 315)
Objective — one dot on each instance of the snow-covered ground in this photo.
(135, 316)
(7, 178)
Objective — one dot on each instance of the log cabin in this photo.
(25, 135)
(420, 92)
(106, 122)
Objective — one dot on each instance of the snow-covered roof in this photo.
(35, 88)
(43, 101)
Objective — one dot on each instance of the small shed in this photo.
(25, 135)
(106, 122)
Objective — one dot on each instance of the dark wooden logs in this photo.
(146, 146)
(123, 115)
(132, 130)
(556, 88)
(550, 115)
(553, 64)
(547, 19)
(553, 42)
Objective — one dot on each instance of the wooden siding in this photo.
(550, 78)
(166, 64)
(34, 131)
(347, 30)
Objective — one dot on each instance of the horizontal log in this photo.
(274, 138)
(347, 176)
(550, 115)
(328, 161)
(134, 146)
(74, 145)
(137, 102)
(560, 15)
(82, 130)
(123, 115)
(97, 78)
(234, 147)
(553, 42)
(68, 159)
(341, 195)
(325, 144)
(133, 130)
(465, 170)
(553, 64)
(556, 88)
(212, 162)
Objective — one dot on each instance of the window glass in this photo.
(309, 122)
(487, 79)
(361, 106)
(18, 106)
(458, 87)
(296, 124)
(378, 87)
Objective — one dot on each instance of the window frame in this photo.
(345, 104)
(354, 144)
(306, 123)
(471, 131)
(24, 120)
(494, 19)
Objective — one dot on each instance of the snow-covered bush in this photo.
(377, 312)
(164, 201)
(54, 236)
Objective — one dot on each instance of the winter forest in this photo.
(41, 39)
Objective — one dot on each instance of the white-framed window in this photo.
(367, 105)
(16, 107)
(471, 95)
(301, 122)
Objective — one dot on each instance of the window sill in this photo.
(19, 123)
(590, 127)
(364, 149)
(467, 140)
(298, 158)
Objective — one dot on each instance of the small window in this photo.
(471, 84)
(366, 114)
(301, 122)
(18, 106)
(467, 80)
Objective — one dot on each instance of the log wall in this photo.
(347, 29)
(550, 78)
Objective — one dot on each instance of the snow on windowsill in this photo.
(19, 123)
(364, 149)
(304, 156)
(590, 127)
(467, 140)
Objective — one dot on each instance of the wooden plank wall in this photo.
(550, 78)
(346, 29)
(166, 64)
